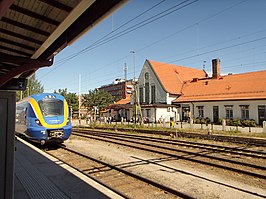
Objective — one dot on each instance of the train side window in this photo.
(31, 112)
(25, 112)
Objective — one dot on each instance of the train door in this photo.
(262, 114)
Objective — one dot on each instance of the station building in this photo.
(167, 91)
(234, 96)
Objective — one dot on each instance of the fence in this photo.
(186, 125)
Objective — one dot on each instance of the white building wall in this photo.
(165, 113)
(169, 98)
(161, 96)
(208, 108)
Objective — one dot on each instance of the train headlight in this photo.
(38, 122)
(68, 122)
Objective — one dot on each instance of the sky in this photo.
(182, 32)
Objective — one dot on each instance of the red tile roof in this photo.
(124, 101)
(121, 103)
(172, 76)
(243, 86)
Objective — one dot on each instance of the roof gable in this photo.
(172, 77)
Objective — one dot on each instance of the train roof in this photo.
(40, 96)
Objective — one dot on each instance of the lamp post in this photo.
(133, 55)
(134, 88)
(79, 99)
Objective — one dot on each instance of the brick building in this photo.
(118, 88)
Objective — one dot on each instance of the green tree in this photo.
(97, 98)
(71, 98)
(33, 87)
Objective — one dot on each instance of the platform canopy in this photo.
(32, 32)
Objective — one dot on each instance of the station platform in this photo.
(41, 176)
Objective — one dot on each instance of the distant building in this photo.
(121, 90)
(121, 109)
(118, 88)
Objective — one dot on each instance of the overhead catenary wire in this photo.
(64, 60)
(207, 52)
(200, 21)
(214, 50)
(204, 19)
(230, 66)
(104, 40)
(196, 54)
(194, 24)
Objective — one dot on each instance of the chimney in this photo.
(216, 68)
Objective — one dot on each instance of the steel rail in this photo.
(238, 151)
(193, 160)
(155, 184)
(216, 137)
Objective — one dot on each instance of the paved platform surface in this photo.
(40, 176)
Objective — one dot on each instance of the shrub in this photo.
(235, 122)
(238, 122)
(249, 123)
(220, 121)
(200, 120)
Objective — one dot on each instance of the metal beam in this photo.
(96, 13)
(10, 42)
(4, 6)
(19, 52)
(57, 5)
(69, 20)
(22, 60)
(24, 26)
(32, 65)
(6, 66)
(20, 36)
(34, 15)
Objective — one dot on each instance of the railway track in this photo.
(215, 137)
(115, 177)
(122, 178)
(215, 148)
(238, 161)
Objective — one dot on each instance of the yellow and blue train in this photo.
(44, 118)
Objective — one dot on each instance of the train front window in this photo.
(51, 107)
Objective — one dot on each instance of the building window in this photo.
(229, 112)
(244, 112)
(147, 92)
(148, 112)
(153, 94)
(262, 113)
(141, 95)
(146, 76)
(201, 111)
